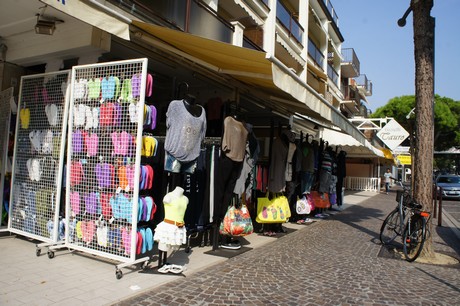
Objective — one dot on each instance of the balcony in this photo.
(332, 74)
(196, 18)
(350, 65)
(315, 54)
(364, 85)
(289, 22)
(331, 11)
(351, 99)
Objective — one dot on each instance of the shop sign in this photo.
(404, 159)
(392, 134)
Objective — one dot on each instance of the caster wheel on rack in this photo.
(187, 250)
(38, 252)
(50, 255)
(118, 274)
(145, 265)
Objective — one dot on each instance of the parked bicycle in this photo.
(407, 220)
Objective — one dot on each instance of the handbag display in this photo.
(302, 206)
(321, 200)
(275, 210)
(237, 222)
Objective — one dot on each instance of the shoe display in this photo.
(164, 269)
(177, 269)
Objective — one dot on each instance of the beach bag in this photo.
(275, 210)
(320, 199)
(237, 222)
(302, 206)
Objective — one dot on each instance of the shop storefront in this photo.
(153, 117)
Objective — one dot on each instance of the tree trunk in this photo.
(424, 108)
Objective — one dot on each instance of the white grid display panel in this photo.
(5, 113)
(104, 146)
(38, 157)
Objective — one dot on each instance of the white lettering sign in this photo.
(392, 134)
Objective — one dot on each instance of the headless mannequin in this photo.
(189, 103)
(229, 168)
(175, 204)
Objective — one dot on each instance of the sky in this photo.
(386, 51)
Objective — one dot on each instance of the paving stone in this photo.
(338, 261)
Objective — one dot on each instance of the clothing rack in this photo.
(212, 141)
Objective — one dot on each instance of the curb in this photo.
(451, 223)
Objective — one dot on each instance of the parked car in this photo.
(450, 185)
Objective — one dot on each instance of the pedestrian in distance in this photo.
(388, 179)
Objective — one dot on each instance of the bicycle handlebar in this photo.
(400, 184)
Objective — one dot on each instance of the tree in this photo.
(446, 118)
(423, 25)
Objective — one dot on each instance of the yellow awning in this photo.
(251, 67)
(387, 153)
(319, 73)
(225, 58)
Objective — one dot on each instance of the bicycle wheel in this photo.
(390, 228)
(414, 237)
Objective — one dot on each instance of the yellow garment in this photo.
(175, 209)
(149, 145)
(24, 115)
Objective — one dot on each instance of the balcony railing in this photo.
(196, 18)
(364, 84)
(205, 22)
(289, 22)
(315, 53)
(332, 74)
(331, 11)
(350, 63)
(349, 93)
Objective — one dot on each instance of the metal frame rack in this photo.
(104, 173)
(38, 161)
(5, 114)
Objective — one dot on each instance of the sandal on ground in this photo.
(177, 269)
(165, 269)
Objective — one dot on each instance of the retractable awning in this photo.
(92, 16)
(350, 145)
(251, 67)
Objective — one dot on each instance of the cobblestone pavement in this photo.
(336, 261)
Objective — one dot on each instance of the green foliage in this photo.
(446, 118)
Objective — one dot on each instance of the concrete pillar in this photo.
(238, 35)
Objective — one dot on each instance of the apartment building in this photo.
(279, 63)
(285, 56)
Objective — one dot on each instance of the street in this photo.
(452, 207)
